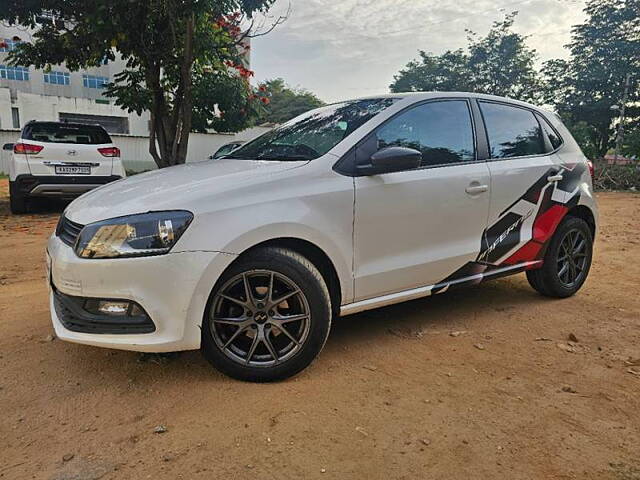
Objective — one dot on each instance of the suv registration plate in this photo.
(66, 170)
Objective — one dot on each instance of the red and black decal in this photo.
(519, 237)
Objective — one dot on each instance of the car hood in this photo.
(173, 188)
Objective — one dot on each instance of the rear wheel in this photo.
(567, 260)
(268, 316)
(17, 200)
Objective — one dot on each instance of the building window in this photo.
(8, 44)
(93, 81)
(15, 117)
(14, 73)
(57, 78)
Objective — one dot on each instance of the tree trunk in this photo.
(171, 123)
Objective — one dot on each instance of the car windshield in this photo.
(225, 149)
(312, 134)
(66, 133)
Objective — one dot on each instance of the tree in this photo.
(603, 49)
(499, 63)
(282, 103)
(184, 58)
(631, 145)
(446, 72)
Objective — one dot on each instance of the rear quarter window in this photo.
(550, 132)
(61, 133)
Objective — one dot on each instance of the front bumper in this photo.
(173, 290)
(75, 314)
(59, 185)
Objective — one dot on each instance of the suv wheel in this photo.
(566, 262)
(17, 200)
(268, 316)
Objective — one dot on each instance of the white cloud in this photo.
(354, 47)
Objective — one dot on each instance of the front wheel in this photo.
(567, 260)
(268, 316)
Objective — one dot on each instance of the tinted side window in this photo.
(554, 138)
(441, 131)
(512, 131)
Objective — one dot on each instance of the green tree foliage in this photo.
(499, 63)
(282, 103)
(584, 88)
(631, 145)
(183, 58)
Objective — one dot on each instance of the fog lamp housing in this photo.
(113, 308)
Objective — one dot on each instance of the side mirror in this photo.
(8, 146)
(395, 159)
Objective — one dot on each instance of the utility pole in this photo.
(620, 133)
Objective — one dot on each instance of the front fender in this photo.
(341, 262)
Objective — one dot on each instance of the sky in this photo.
(351, 48)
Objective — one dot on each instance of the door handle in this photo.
(475, 189)
(554, 178)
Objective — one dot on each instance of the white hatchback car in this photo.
(59, 159)
(346, 208)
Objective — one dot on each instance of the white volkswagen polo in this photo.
(346, 208)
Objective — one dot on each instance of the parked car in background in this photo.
(57, 159)
(346, 208)
(226, 149)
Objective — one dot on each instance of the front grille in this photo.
(68, 231)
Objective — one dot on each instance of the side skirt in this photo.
(428, 290)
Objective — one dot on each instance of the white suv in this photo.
(346, 208)
(55, 159)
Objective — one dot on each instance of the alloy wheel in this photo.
(260, 318)
(572, 258)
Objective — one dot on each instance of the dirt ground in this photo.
(476, 383)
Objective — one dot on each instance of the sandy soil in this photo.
(475, 383)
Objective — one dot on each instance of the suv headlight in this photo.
(152, 233)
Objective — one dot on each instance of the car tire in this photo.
(234, 321)
(17, 200)
(567, 260)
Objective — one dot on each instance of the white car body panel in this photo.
(281, 199)
(44, 162)
(70, 154)
(390, 237)
(402, 239)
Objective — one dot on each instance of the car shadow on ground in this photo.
(463, 309)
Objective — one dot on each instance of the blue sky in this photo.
(352, 48)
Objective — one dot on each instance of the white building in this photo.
(29, 94)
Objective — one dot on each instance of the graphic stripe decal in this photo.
(521, 234)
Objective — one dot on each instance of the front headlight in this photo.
(152, 233)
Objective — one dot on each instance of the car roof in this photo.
(417, 96)
(65, 124)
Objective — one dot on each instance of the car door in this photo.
(415, 228)
(523, 170)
